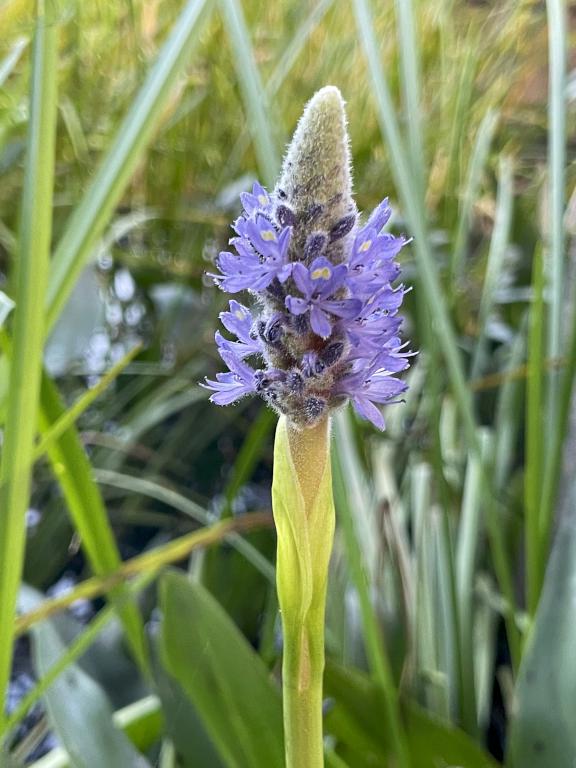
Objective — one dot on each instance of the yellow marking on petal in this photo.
(262, 199)
(268, 234)
(365, 245)
(239, 314)
(324, 272)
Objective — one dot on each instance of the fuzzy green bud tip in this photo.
(316, 170)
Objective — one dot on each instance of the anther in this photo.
(285, 216)
(332, 354)
(342, 227)
(273, 330)
(315, 244)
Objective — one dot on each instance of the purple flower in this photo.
(327, 325)
(259, 200)
(261, 256)
(229, 387)
(371, 385)
(318, 283)
(238, 321)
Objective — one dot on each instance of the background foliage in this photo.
(161, 114)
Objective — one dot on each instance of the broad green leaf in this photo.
(223, 677)
(142, 722)
(79, 711)
(358, 721)
(192, 745)
(543, 732)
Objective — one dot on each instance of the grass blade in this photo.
(69, 418)
(534, 445)
(28, 335)
(274, 83)
(87, 511)
(257, 113)
(93, 213)
(553, 464)
(187, 507)
(508, 413)
(147, 565)
(411, 88)
(10, 61)
(480, 152)
(431, 680)
(457, 118)
(557, 45)
(498, 245)
(466, 557)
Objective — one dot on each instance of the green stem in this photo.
(302, 671)
(304, 515)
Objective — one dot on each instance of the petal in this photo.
(296, 306)
(320, 323)
(321, 263)
(284, 240)
(368, 410)
(226, 389)
(334, 281)
(228, 396)
(380, 216)
(258, 199)
(285, 272)
(381, 387)
(238, 320)
(347, 308)
(301, 277)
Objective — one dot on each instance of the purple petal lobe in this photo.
(320, 322)
(296, 306)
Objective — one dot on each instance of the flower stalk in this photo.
(304, 515)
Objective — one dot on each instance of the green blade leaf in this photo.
(543, 733)
(223, 677)
(31, 268)
(78, 709)
(88, 512)
(557, 47)
(255, 96)
(141, 721)
(184, 727)
(94, 211)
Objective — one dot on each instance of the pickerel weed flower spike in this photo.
(326, 327)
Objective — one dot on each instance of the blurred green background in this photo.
(450, 116)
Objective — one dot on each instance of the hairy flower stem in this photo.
(302, 671)
(304, 515)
